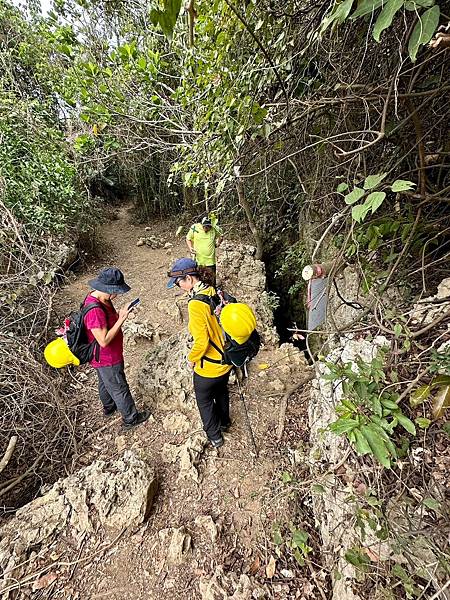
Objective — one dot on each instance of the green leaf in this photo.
(376, 406)
(316, 488)
(343, 426)
(422, 422)
(357, 558)
(401, 185)
(419, 396)
(446, 428)
(338, 15)
(413, 5)
(372, 181)
(286, 477)
(440, 380)
(398, 329)
(375, 200)
(377, 445)
(432, 503)
(386, 17)
(390, 404)
(359, 212)
(277, 538)
(406, 423)
(166, 18)
(342, 187)
(423, 31)
(366, 7)
(361, 445)
(299, 557)
(299, 537)
(354, 196)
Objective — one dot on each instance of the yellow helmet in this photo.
(238, 320)
(58, 354)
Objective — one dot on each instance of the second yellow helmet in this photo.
(58, 354)
(238, 320)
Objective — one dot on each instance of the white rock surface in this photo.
(112, 495)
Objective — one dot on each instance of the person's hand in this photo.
(191, 364)
(123, 313)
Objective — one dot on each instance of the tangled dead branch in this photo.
(36, 434)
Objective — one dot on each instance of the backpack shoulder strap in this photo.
(84, 306)
(209, 300)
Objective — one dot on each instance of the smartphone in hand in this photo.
(134, 304)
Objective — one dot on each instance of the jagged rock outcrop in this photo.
(334, 508)
(245, 278)
(165, 377)
(112, 495)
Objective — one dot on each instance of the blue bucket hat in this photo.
(110, 281)
(181, 268)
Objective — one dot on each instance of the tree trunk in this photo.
(251, 221)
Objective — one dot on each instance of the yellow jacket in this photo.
(203, 326)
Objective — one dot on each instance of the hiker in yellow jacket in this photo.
(210, 376)
(202, 240)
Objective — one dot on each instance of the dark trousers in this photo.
(213, 401)
(114, 392)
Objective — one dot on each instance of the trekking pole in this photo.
(246, 415)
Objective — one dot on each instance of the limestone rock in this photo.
(230, 586)
(134, 330)
(245, 277)
(333, 508)
(427, 309)
(443, 290)
(178, 543)
(277, 385)
(188, 454)
(165, 376)
(206, 523)
(176, 423)
(114, 495)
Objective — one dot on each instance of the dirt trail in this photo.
(229, 511)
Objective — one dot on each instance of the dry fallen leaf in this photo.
(263, 366)
(441, 401)
(270, 568)
(254, 567)
(371, 554)
(45, 581)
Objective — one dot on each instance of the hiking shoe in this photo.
(226, 427)
(217, 443)
(110, 412)
(141, 417)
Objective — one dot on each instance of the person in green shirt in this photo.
(202, 241)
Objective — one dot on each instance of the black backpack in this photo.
(233, 353)
(77, 339)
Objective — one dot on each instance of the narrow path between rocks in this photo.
(207, 536)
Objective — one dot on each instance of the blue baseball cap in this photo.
(181, 268)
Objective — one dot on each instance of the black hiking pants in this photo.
(115, 393)
(213, 401)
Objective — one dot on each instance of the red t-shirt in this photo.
(99, 318)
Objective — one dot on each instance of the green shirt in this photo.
(204, 243)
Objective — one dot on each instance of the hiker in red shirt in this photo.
(104, 324)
